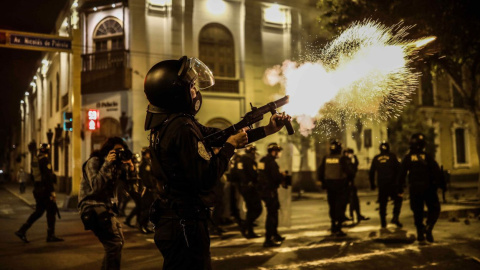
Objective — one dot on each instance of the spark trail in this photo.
(363, 73)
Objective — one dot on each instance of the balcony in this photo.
(106, 72)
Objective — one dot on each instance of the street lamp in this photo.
(49, 139)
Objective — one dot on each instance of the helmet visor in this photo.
(199, 72)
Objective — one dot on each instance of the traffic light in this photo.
(93, 118)
(67, 121)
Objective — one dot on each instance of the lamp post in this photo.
(49, 139)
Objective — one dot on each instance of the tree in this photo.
(455, 24)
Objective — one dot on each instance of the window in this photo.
(457, 98)
(108, 35)
(460, 145)
(216, 50)
(50, 100)
(427, 87)
(57, 96)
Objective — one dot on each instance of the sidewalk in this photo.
(27, 197)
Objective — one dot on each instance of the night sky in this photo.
(18, 66)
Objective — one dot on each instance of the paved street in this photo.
(308, 244)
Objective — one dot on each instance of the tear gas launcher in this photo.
(250, 118)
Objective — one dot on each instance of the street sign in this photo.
(34, 41)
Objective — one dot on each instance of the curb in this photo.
(19, 196)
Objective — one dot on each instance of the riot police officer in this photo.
(185, 167)
(423, 180)
(43, 192)
(385, 165)
(248, 182)
(269, 180)
(333, 173)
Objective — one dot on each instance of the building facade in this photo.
(115, 43)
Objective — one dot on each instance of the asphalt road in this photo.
(308, 245)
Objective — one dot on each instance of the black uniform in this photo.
(43, 193)
(233, 177)
(423, 179)
(269, 180)
(333, 173)
(187, 171)
(248, 183)
(386, 166)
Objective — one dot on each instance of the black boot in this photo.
(277, 237)
(383, 222)
(250, 234)
(51, 236)
(396, 222)
(421, 234)
(22, 231)
(428, 233)
(271, 243)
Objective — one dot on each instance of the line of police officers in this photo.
(424, 179)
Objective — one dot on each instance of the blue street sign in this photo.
(34, 41)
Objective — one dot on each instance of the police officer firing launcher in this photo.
(186, 168)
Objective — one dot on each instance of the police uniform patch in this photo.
(240, 166)
(261, 166)
(147, 168)
(202, 151)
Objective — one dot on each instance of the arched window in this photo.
(108, 35)
(217, 50)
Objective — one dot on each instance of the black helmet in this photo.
(167, 85)
(44, 148)
(273, 147)
(384, 147)
(418, 141)
(335, 147)
(251, 148)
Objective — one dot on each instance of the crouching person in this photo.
(96, 199)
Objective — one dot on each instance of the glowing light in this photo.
(44, 62)
(363, 73)
(161, 2)
(422, 42)
(32, 84)
(75, 4)
(113, 5)
(93, 117)
(216, 7)
(34, 77)
(27, 94)
(274, 14)
(21, 101)
(94, 8)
